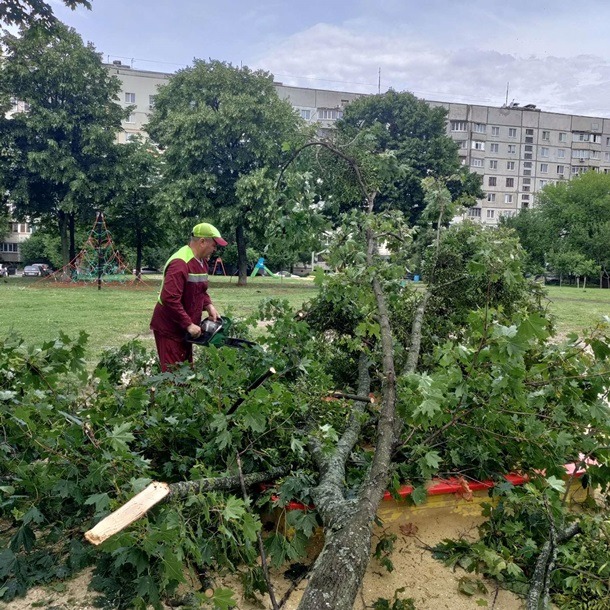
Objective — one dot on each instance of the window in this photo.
(526, 188)
(525, 197)
(528, 148)
(527, 155)
(151, 101)
(9, 247)
(512, 148)
(474, 212)
(563, 137)
(478, 145)
(305, 113)
(581, 154)
(529, 132)
(560, 169)
(508, 198)
(131, 118)
(544, 168)
(561, 153)
(595, 154)
(459, 126)
(546, 136)
(542, 183)
(493, 164)
(544, 151)
(495, 131)
(512, 132)
(510, 165)
(607, 141)
(479, 127)
(529, 139)
(129, 137)
(491, 213)
(575, 170)
(15, 227)
(494, 147)
(510, 182)
(130, 98)
(526, 180)
(329, 114)
(607, 156)
(491, 197)
(580, 136)
(595, 138)
(477, 163)
(492, 181)
(527, 164)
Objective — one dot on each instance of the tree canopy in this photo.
(570, 218)
(414, 134)
(59, 151)
(224, 133)
(29, 13)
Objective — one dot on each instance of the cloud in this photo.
(338, 57)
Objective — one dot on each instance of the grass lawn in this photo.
(38, 310)
(577, 309)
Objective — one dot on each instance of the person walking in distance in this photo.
(184, 296)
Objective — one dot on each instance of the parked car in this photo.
(31, 271)
(44, 268)
(12, 270)
(3, 270)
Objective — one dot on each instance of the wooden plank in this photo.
(137, 507)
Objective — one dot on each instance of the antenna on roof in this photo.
(506, 102)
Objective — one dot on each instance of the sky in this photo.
(554, 54)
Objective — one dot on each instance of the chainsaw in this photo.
(215, 333)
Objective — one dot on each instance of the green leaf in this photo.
(223, 599)
(419, 494)
(234, 508)
(433, 459)
(120, 436)
(101, 501)
(556, 484)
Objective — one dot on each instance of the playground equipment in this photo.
(98, 260)
(260, 266)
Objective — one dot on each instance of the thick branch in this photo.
(158, 492)
(539, 588)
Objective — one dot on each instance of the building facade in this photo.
(516, 149)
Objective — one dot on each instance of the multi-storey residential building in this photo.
(9, 246)
(516, 149)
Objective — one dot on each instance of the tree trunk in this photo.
(72, 228)
(63, 235)
(242, 258)
(138, 255)
(340, 567)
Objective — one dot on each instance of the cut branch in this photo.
(157, 492)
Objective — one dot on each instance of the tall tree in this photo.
(569, 217)
(133, 212)
(58, 153)
(33, 12)
(219, 127)
(401, 125)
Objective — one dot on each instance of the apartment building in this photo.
(516, 149)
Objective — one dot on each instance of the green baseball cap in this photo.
(205, 229)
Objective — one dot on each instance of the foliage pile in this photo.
(495, 396)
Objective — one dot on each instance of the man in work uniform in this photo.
(184, 296)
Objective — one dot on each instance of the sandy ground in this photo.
(427, 581)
